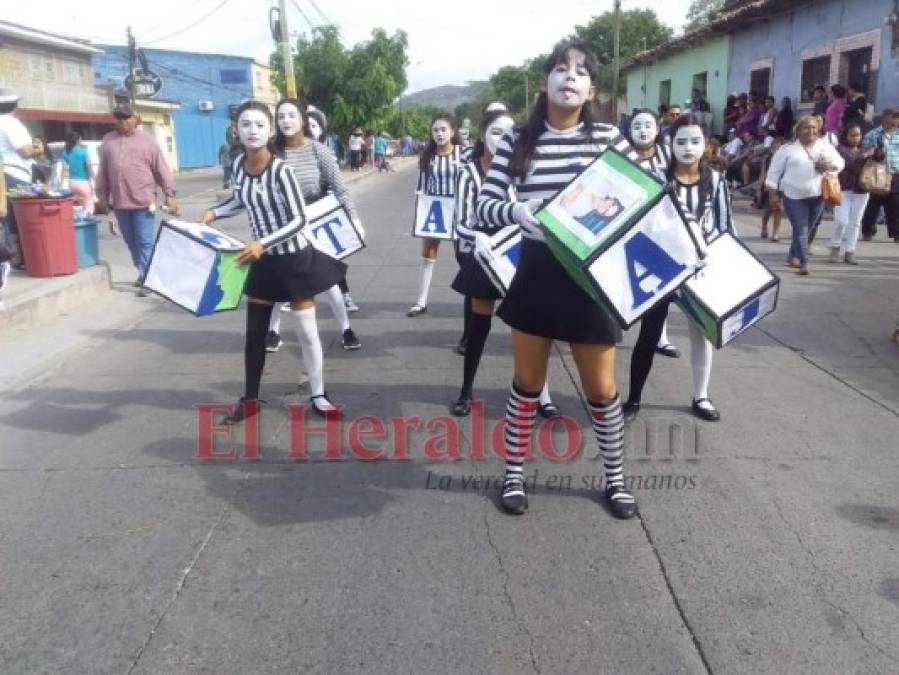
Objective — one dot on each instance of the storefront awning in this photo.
(62, 116)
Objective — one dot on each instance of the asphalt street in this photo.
(767, 543)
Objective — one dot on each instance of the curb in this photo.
(55, 296)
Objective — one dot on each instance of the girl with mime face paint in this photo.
(702, 191)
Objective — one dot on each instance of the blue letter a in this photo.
(435, 215)
(655, 263)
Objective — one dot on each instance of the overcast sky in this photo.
(449, 42)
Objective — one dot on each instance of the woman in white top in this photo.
(796, 171)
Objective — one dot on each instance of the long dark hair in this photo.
(705, 171)
(261, 107)
(844, 133)
(280, 139)
(73, 138)
(430, 150)
(322, 122)
(486, 120)
(531, 130)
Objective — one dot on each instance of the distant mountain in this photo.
(446, 97)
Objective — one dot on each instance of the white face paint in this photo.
(644, 130)
(290, 121)
(441, 132)
(315, 129)
(568, 84)
(253, 129)
(495, 132)
(689, 144)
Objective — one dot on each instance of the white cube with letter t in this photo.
(434, 217)
(731, 293)
(330, 228)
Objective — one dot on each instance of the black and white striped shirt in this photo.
(712, 210)
(273, 202)
(468, 185)
(659, 162)
(317, 173)
(558, 157)
(440, 178)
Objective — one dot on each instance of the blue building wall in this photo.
(815, 30)
(189, 78)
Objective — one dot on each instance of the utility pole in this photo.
(131, 57)
(286, 53)
(526, 91)
(617, 56)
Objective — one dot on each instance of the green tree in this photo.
(636, 25)
(700, 11)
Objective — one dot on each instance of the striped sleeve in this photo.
(229, 207)
(422, 182)
(494, 199)
(286, 184)
(724, 216)
(465, 219)
(334, 180)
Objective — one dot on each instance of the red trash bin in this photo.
(47, 234)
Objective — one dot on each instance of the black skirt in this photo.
(544, 300)
(472, 280)
(293, 276)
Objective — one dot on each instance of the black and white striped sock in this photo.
(521, 411)
(608, 426)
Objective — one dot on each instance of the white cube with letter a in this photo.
(650, 260)
(330, 229)
(505, 247)
(733, 291)
(434, 217)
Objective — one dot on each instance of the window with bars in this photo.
(760, 81)
(815, 72)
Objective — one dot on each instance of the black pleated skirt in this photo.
(544, 300)
(472, 280)
(293, 276)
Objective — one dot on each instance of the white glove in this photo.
(482, 245)
(358, 224)
(523, 215)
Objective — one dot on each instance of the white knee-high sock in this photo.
(701, 352)
(274, 324)
(335, 299)
(663, 338)
(311, 346)
(424, 280)
(544, 393)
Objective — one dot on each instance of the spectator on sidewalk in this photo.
(228, 152)
(380, 150)
(355, 146)
(5, 251)
(768, 121)
(820, 98)
(856, 108)
(17, 153)
(833, 116)
(731, 113)
(885, 141)
(78, 168)
(131, 167)
(783, 125)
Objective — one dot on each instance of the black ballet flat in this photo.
(323, 412)
(549, 410)
(630, 410)
(621, 502)
(462, 407)
(668, 350)
(514, 500)
(707, 414)
(460, 348)
(240, 411)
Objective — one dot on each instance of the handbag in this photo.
(876, 178)
(830, 187)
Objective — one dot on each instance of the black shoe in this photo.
(630, 411)
(514, 500)
(460, 348)
(327, 408)
(621, 502)
(709, 414)
(549, 410)
(240, 411)
(273, 341)
(462, 407)
(668, 350)
(350, 341)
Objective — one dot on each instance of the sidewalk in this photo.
(27, 300)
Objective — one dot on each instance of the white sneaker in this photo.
(5, 268)
(349, 304)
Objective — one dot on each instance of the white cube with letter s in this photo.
(330, 229)
(434, 217)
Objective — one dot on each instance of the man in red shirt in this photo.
(131, 167)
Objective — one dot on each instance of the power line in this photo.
(191, 25)
(322, 14)
(148, 34)
(311, 25)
